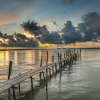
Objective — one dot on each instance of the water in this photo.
(80, 82)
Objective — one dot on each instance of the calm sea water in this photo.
(80, 82)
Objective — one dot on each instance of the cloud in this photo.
(14, 10)
(88, 34)
(41, 32)
(92, 21)
(17, 40)
(55, 23)
(70, 35)
(52, 38)
(89, 30)
(32, 27)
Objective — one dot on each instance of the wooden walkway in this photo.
(57, 65)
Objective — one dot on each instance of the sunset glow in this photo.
(5, 41)
(27, 34)
(46, 44)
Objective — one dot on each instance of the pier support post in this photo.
(52, 70)
(56, 67)
(47, 56)
(40, 75)
(53, 58)
(31, 83)
(58, 56)
(9, 97)
(19, 89)
(40, 66)
(14, 96)
(43, 76)
(46, 76)
(41, 61)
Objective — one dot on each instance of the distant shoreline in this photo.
(36, 48)
(23, 48)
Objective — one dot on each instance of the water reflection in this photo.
(79, 82)
(15, 58)
(23, 60)
(30, 59)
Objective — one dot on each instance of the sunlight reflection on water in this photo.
(80, 82)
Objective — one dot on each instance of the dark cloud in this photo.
(52, 38)
(82, 28)
(17, 40)
(55, 23)
(92, 21)
(70, 35)
(89, 30)
(47, 37)
(41, 32)
(1, 33)
(88, 34)
(32, 27)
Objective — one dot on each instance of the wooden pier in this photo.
(44, 70)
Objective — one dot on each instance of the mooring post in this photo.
(52, 69)
(52, 66)
(46, 75)
(53, 58)
(14, 96)
(47, 63)
(47, 56)
(40, 66)
(50, 72)
(60, 63)
(74, 51)
(77, 54)
(64, 55)
(58, 56)
(9, 97)
(31, 83)
(10, 69)
(43, 76)
(19, 87)
(56, 67)
(41, 61)
(80, 51)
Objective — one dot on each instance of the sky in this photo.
(52, 13)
